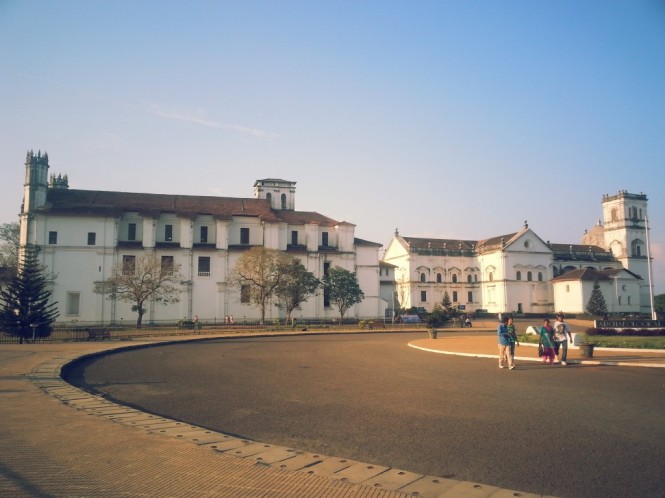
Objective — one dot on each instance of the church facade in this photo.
(83, 234)
(521, 273)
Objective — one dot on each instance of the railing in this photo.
(79, 332)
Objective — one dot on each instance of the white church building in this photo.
(83, 234)
(521, 273)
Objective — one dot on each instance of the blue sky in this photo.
(455, 119)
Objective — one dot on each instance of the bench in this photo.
(98, 333)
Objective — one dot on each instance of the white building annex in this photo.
(521, 273)
(82, 234)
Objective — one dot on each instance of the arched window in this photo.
(438, 278)
(475, 278)
(529, 277)
(540, 276)
(468, 279)
(283, 201)
(454, 278)
(491, 277)
(519, 275)
(422, 277)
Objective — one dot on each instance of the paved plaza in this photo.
(58, 441)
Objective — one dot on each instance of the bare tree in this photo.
(9, 241)
(142, 279)
(9, 244)
(257, 273)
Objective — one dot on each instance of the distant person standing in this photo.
(504, 345)
(196, 323)
(561, 336)
(512, 332)
(547, 340)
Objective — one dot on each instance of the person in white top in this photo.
(561, 335)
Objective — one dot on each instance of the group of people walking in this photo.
(553, 347)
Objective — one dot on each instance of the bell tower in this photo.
(625, 234)
(35, 186)
(280, 193)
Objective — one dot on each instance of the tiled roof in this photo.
(590, 275)
(362, 242)
(576, 248)
(304, 217)
(97, 202)
(423, 243)
(494, 243)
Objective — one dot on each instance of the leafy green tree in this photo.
(258, 273)
(596, 305)
(296, 285)
(26, 307)
(342, 288)
(141, 280)
(659, 303)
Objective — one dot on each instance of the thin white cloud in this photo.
(188, 115)
(199, 117)
(254, 132)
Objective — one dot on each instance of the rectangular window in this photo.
(73, 303)
(53, 237)
(244, 235)
(324, 239)
(204, 235)
(131, 231)
(619, 300)
(92, 238)
(204, 266)
(244, 293)
(167, 265)
(326, 291)
(168, 233)
(628, 300)
(454, 296)
(423, 296)
(128, 265)
(470, 297)
(294, 238)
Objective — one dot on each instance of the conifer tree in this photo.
(26, 309)
(446, 303)
(596, 305)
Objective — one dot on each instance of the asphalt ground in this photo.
(564, 431)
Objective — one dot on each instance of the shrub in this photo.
(625, 332)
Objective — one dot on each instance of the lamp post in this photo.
(33, 326)
(646, 229)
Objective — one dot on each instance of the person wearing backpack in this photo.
(561, 335)
(513, 336)
(504, 344)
